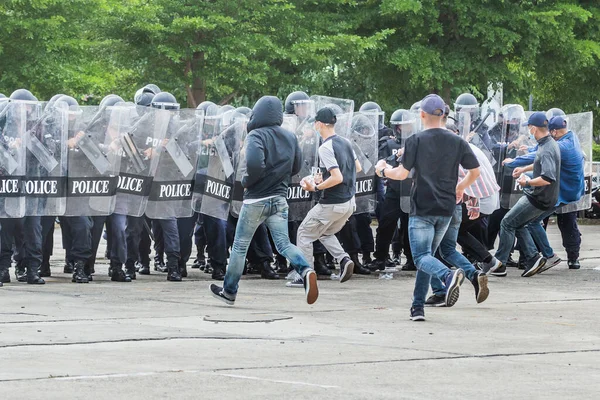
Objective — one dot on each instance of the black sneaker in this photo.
(534, 266)
(573, 264)
(68, 268)
(480, 284)
(219, 293)
(144, 269)
(4, 276)
(347, 269)
(377, 265)
(436, 301)
(159, 266)
(512, 263)
(453, 281)
(500, 271)
(409, 266)
(396, 259)
(310, 287)
(417, 314)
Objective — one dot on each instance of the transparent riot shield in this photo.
(211, 129)
(582, 127)
(515, 142)
(139, 145)
(220, 172)
(299, 200)
(172, 187)
(343, 109)
(92, 161)
(13, 126)
(239, 162)
(464, 125)
(403, 130)
(364, 139)
(45, 183)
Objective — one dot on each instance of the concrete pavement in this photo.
(533, 338)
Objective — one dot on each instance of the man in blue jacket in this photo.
(572, 188)
(272, 157)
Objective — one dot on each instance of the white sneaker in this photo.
(551, 262)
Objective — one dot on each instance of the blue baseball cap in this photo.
(537, 119)
(433, 104)
(557, 123)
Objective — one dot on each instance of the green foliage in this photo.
(390, 51)
(596, 152)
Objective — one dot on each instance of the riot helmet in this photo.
(110, 101)
(513, 118)
(297, 103)
(466, 102)
(165, 101)
(22, 95)
(73, 108)
(151, 88)
(244, 111)
(416, 107)
(554, 112)
(372, 107)
(143, 97)
(403, 123)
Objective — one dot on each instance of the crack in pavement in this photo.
(8, 346)
(345, 363)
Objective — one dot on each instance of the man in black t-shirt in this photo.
(434, 154)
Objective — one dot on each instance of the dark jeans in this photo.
(515, 224)
(215, 230)
(388, 227)
(170, 235)
(185, 227)
(97, 228)
(364, 232)
(80, 234)
(470, 244)
(47, 239)
(571, 237)
(494, 222)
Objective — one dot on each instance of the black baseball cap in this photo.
(326, 116)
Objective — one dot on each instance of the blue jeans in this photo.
(448, 252)
(274, 213)
(538, 233)
(426, 234)
(514, 224)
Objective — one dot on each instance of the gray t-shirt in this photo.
(546, 165)
(336, 152)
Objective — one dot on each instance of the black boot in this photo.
(20, 272)
(183, 269)
(88, 271)
(4, 275)
(79, 275)
(130, 270)
(118, 275)
(267, 271)
(366, 259)
(320, 267)
(159, 263)
(33, 276)
(218, 272)
(173, 273)
(200, 260)
(144, 269)
(358, 267)
(45, 269)
(253, 269)
(281, 264)
(68, 269)
(409, 266)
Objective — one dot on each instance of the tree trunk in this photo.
(197, 91)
